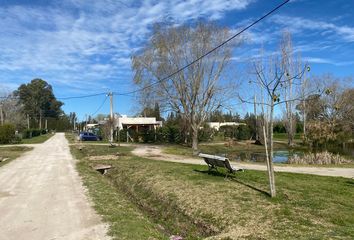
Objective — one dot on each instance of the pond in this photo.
(280, 156)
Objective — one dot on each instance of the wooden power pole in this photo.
(112, 117)
(1, 115)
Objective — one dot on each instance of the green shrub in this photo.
(7, 133)
(148, 136)
(206, 134)
(36, 132)
(243, 132)
(33, 132)
(228, 131)
(27, 134)
(122, 135)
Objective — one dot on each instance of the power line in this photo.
(99, 108)
(210, 51)
(82, 96)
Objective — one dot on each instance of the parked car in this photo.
(87, 136)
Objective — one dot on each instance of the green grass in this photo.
(37, 139)
(124, 217)
(10, 153)
(162, 198)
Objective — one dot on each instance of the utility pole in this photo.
(1, 115)
(255, 115)
(112, 117)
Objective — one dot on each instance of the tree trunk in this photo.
(40, 120)
(195, 139)
(304, 120)
(271, 168)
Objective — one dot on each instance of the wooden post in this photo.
(1, 115)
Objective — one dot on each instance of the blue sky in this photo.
(83, 47)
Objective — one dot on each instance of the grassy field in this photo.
(37, 139)
(141, 198)
(10, 153)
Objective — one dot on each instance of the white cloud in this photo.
(299, 24)
(78, 41)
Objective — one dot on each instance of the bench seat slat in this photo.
(203, 155)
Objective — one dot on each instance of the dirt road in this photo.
(156, 153)
(41, 197)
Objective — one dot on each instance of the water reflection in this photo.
(278, 156)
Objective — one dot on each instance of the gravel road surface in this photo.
(42, 197)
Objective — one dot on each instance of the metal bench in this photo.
(214, 161)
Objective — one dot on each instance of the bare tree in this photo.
(274, 79)
(290, 67)
(195, 91)
(11, 111)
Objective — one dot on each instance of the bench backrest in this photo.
(217, 161)
(228, 165)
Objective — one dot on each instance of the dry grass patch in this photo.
(10, 153)
(103, 157)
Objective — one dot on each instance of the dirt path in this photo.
(41, 197)
(155, 152)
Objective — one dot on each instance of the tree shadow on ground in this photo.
(232, 177)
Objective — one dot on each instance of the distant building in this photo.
(217, 125)
(137, 123)
(92, 125)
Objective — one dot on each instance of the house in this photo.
(137, 123)
(92, 126)
(217, 125)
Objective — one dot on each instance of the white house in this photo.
(124, 122)
(217, 125)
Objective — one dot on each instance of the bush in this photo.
(36, 132)
(229, 131)
(148, 136)
(206, 134)
(27, 133)
(243, 133)
(7, 133)
(33, 132)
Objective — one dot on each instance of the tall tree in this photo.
(195, 91)
(291, 67)
(38, 100)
